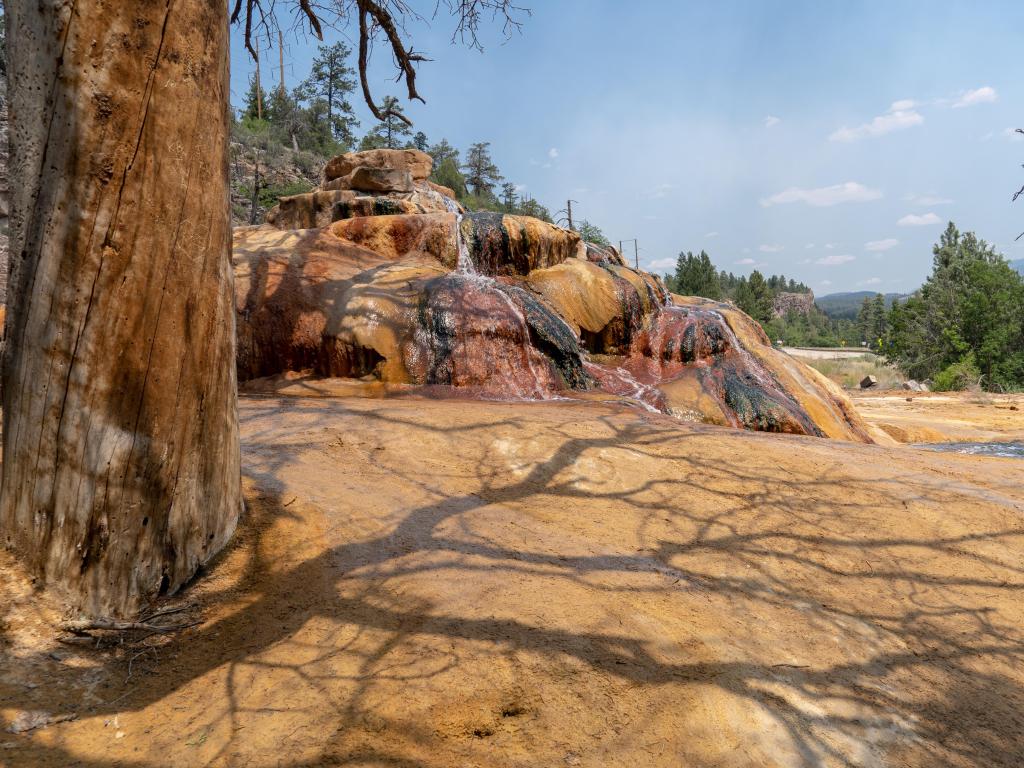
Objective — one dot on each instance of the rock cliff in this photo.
(798, 303)
(379, 275)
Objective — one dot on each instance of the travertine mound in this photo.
(403, 287)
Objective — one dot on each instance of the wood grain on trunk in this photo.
(120, 427)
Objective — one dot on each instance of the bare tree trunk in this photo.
(120, 426)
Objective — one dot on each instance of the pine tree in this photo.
(332, 80)
(255, 105)
(443, 151)
(481, 172)
(447, 174)
(420, 142)
(758, 298)
(509, 198)
(696, 276)
(388, 133)
(591, 233)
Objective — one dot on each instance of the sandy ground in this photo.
(937, 417)
(810, 353)
(441, 583)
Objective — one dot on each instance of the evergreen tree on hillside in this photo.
(443, 151)
(480, 171)
(420, 142)
(447, 174)
(530, 207)
(254, 105)
(332, 80)
(283, 112)
(966, 322)
(387, 134)
(509, 198)
(696, 276)
(756, 298)
(591, 233)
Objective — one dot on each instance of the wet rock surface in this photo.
(405, 288)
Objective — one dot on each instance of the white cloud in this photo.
(881, 245)
(829, 246)
(520, 187)
(771, 121)
(745, 262)
(825, 283)
(928, 200)
(871, 281)
(770, 248)
(835, 259)
(710, 235)
(553, 153)
(901, 115)
(983, 95)
(661, 264)
(913, 220)
(822, 197)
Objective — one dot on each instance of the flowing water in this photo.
(533, 381)
(1005, 450)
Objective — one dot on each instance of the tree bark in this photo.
(120, 427)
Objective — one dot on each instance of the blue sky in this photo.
(830, 141)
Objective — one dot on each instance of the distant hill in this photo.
(847, 305)
(1018, 265)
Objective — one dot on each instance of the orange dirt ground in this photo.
(936, 417)
(426, 583)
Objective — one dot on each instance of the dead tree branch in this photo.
(81, 626)
(373, 18)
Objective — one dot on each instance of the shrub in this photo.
(961, 375)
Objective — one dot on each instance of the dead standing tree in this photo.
(121, 466)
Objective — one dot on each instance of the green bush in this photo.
(961, 375)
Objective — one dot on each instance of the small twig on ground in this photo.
(168, 611)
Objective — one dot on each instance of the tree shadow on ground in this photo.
(936, 675)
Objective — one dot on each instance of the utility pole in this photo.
(568, 207)
(636, 251)
(280, 48)
(259, 86)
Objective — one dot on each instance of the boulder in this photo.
(914, 386)
(308, 210)
(418, 164)
(380, 179)
(504, 245)
(431, 235)
(868, 382)
(441, 189)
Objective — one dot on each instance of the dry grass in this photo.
(848, 372)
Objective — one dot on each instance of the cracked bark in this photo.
(120, 428)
